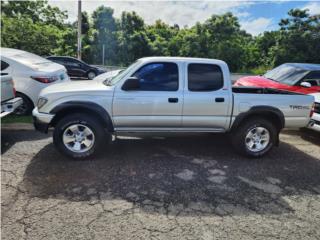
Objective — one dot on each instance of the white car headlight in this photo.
(41, 102)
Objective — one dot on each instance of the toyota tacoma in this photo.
(168, 94)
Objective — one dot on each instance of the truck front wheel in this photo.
(255, 137)
(79, 136)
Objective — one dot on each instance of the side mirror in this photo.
(305, 84)
(132, 83)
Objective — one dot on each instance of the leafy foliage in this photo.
(37, 27)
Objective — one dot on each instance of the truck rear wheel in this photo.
(79, 136)
(255, 137)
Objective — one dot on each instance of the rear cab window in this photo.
(203, 77)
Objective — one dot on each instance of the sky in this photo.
(255, 16)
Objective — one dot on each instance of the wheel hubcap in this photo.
(257, 139)
(91, 75)
(78, 138)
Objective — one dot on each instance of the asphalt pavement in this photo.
(183, 187)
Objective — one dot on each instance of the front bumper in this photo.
(41, 121)
(314, 123)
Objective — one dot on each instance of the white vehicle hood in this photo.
(76, 87)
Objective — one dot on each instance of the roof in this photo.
(7, 52)
(187, 59)
(305, 66)
(62, 57)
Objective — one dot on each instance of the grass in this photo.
(16, 119)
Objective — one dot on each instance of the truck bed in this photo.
(295, 107)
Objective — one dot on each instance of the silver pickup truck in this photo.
(168, 94)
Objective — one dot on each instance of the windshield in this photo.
(118, 77)
(286, 74)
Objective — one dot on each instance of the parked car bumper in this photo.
(41, 121)
(9, 106)
(315, 122)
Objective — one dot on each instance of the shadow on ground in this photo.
(307, 135)
(178, 175)
(10, 137)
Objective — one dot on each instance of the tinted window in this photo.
(286, 73)
(313, 78)
(158, 77)
(204, 77)
(57, 60)
(4, 65)
(71, 63)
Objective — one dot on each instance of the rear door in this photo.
(74, 68)
(206, 98)
(156, 104)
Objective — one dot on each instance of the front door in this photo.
(156, 104)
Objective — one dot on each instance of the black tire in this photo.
(99, 132)
(26, 107)
(239, 137)
(91, 75)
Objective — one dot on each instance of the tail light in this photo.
(13, 89)
(46, 79)
(312, 109)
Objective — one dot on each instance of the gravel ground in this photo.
(182, 187)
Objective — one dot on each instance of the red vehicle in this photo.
(294, 77)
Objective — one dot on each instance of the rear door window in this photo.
(204, 77)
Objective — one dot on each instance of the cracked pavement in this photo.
(184, 187)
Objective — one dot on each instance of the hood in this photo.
(76, 87)
(259, 81)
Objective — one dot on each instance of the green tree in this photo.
(33, 26)
(23, 33)
(133, 42)
(298, 39)
(38, 11)
(104, 25)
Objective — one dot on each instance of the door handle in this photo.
(219, 99)
(173, 100)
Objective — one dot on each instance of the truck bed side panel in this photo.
(295, 108)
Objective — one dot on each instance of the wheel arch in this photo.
(82, 107)
(267, 112)
(25, 95)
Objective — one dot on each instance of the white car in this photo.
(31, 73)
(315, 118)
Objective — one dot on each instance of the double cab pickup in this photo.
(168, 94)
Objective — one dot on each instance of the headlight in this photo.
(41, 102)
